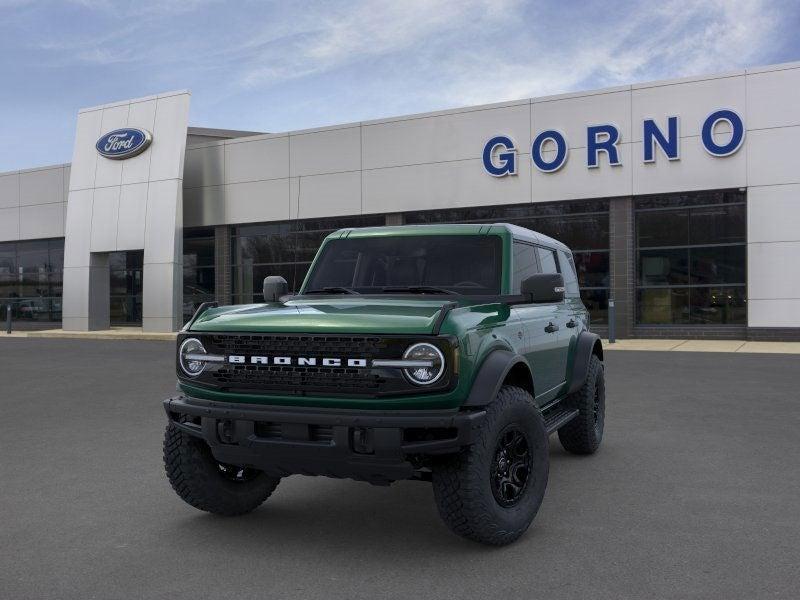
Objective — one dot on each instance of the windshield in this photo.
(424, 264)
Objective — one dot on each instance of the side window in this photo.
(547, 258)
(524, 264)
(570, 277)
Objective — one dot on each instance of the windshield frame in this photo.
(503, 267)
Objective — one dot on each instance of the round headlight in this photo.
(433, 369)
(187, 357)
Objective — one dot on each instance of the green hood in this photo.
(351, 315)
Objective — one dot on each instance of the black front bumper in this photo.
(375, 446)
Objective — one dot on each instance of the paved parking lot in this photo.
(695, 494)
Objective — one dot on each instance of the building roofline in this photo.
(134, 100)
(221, 133)
(232, 136)
(34, 169)
(750, 71)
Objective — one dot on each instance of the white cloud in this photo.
(325, 39)
(477, 51)
(380, 57)
(466, 51)
(275, 65)
(674, 40)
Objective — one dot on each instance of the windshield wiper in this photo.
(332, 290)
(418, 289)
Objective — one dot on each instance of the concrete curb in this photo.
(728, 346)
(120, 333)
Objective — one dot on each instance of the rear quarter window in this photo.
(547, 258)
(571, 289)
(525, 264)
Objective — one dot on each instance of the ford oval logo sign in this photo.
(123, 143)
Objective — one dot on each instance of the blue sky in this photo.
(276, 66)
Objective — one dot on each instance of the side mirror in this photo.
(544, 288)
(275, 286)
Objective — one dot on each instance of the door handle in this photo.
(551, 328)
(571, 323)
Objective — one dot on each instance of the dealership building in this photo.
(680, 200)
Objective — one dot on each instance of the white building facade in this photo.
(680, 199)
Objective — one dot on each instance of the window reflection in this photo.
(198, 269)
(284, 249)
(31, 276)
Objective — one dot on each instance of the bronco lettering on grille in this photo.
(238, 359)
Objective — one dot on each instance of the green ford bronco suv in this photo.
(441, 353)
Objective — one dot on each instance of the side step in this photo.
(559, 417)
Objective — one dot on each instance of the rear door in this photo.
(558, 325)
(574, 306)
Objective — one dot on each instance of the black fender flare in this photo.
(491, 375)
(588, 344)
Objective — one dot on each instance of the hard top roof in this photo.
(520, 233)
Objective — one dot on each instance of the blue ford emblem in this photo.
(123, 143)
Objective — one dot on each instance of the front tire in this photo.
(201, 481)
(491, 491)
(584, 433)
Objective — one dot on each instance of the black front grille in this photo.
(294, 379)
(300, 345)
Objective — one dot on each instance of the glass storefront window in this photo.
(260, 245)
(662, 267)
(596, 302)
(657, 306)
(718, 305)
(691, 259)
(718, 264)
(284, 249)
(725, 224)
(585, 232)
(660, 228)
(199, 273)
(593, 269)
(8, 258)
(30, 280)
(198, 252)
(198, 281)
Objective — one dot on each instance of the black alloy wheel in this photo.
(492, 489)
(511, 467)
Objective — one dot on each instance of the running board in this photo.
(558, 418)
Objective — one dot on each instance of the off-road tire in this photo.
(584, 433)
(198, 479)
(462, 483)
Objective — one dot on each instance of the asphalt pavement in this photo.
(694, 494)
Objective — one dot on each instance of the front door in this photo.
(544, 348)
(126, 287)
